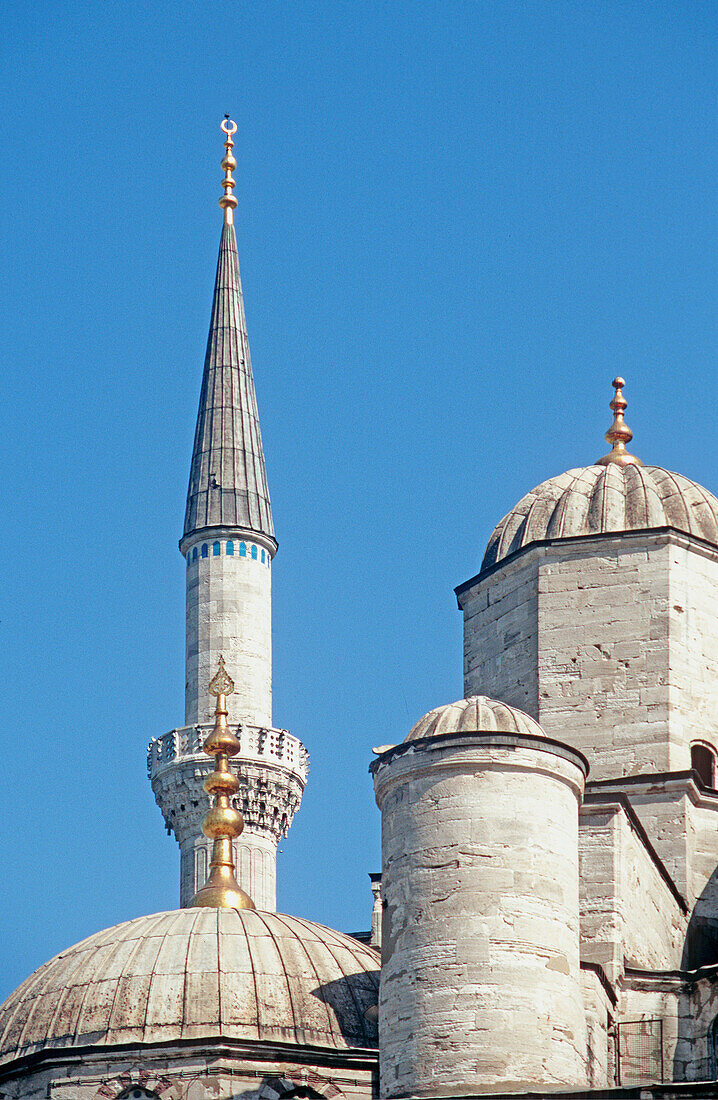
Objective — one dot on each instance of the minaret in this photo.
(228, 544)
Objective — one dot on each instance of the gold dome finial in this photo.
(619, 434)
(228, 201)
(222, 822)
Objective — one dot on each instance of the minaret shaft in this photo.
(229, 612)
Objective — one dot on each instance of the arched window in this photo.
(204, 549)
(216, 549)
(194, 554)
(703, 762)
(263, 555)
(135, 1092)
(189, 558)
(254, 552)
(242, 549)
(230, 547)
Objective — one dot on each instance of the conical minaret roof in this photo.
(228, 479)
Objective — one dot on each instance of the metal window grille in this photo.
(639, 1052)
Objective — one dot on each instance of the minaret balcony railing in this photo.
(258, 743)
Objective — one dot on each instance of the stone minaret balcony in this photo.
(272, 768)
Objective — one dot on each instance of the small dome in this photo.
(477, 714)
(193, 973)
(597, 500)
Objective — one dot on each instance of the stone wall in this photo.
(693, 623)
(628, 911)
(480, 975)
(603, 653)
(681, 821)
(686, 1004)
(622, 631)
(500, 636)
(207, 1072)
(599, 1009)
(229, 612)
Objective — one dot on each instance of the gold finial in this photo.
(228, 201)
(222, 822)
(619, 434)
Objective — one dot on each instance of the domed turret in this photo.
(480, 888)
(595, 611)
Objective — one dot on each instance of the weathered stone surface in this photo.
(480, 979)
(610, 643)
(628, 912)
(197, 1071)
(599, 1009)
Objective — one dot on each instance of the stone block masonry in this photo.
(610, 641)
(480, 988)
(229, 612)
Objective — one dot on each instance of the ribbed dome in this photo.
(477, 714)
(602, 499)
(193, 973)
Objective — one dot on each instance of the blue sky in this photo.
(457, 221)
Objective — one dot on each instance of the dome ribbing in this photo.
(605, 499)
(194, 973)
(477, 714)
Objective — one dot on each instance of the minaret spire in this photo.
(228, 479)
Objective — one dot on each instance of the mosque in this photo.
(546, 919)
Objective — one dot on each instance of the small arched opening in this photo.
(284, 1088)
(703, 762)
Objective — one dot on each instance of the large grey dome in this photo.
(477, 714)
(604, 499)
(193, 973)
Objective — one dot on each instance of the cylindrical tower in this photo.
(229, 613)
(480, 950)
(228, 544)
